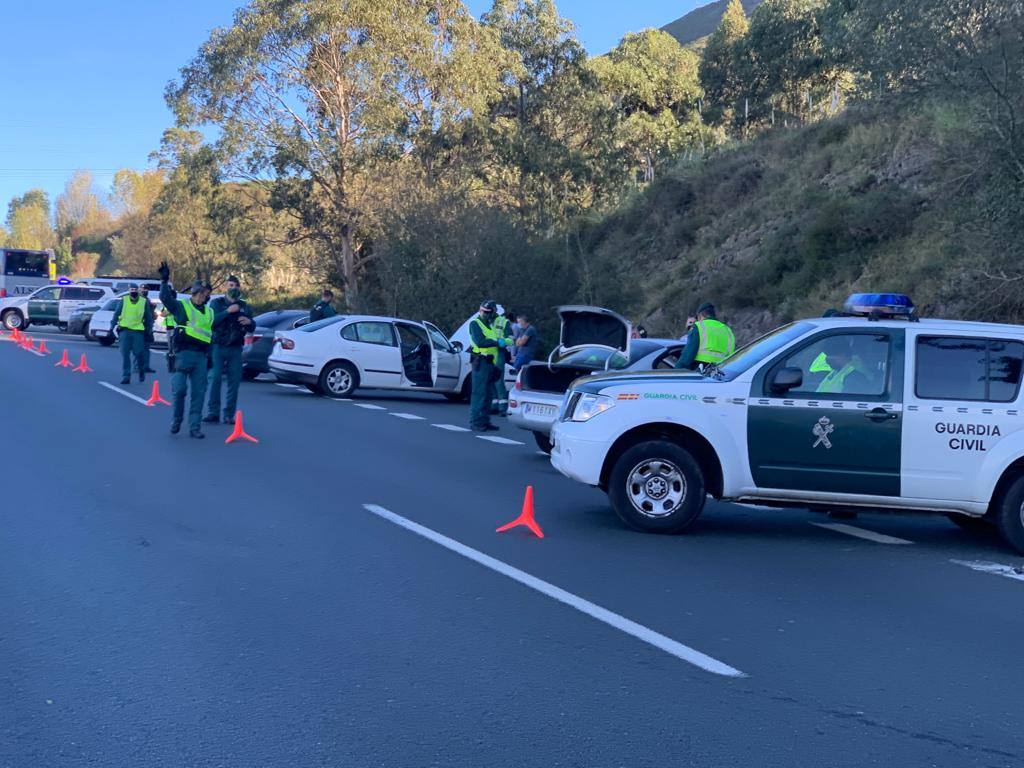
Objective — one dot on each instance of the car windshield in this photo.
(756, 351)
(597, 357)
(310, 327)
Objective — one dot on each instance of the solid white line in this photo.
(369, 406)
(582, 605)
(122, 392)
(407, 416)
(862, 533)
(450, 427)
(499, 440)
(996, 569)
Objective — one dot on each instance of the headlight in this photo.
(588, 406)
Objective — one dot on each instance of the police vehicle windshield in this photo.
(756, 351)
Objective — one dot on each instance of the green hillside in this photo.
(701, 22)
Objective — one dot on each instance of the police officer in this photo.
(148, 341)
(232, 319)
(486, 346)
(708, 342)
(503, 328)
(169, 325)
(133, 319)
(194, 332)
(323, 308)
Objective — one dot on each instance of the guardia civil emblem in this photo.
(822, 430)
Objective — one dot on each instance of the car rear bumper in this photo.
(536, 412)
(292, 373)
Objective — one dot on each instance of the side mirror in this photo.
(457, 346)
(786, 379)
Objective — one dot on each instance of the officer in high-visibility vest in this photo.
(709, 341)
(846, 371)
(486, 347)
(144, 293)
(503, 328)
(133, 319)
(169, 325)
(193, 319)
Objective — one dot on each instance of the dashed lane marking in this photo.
(120, 391)
(499, 440)
(407, 416)
(996, 569)
(862, 533)
(450, 427)
(614, 620)
(369, 406)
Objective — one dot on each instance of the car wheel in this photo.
(12, 320)
(106, 341)
(1010, 514)
(657, 487)
(339, 380)
(543, 441)
(248, 374)
(88, 336)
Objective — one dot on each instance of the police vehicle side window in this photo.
(73, 294)
(842, 364)
(47, 294)
(959, 368)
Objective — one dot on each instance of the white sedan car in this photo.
(340, 354)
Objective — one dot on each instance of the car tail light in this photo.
(287, 344)
(252, 338)
(513, 403)
(3, 293)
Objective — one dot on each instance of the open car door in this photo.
(584, 326)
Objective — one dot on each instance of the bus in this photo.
(22, 270)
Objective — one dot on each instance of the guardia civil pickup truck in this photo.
(870, 408)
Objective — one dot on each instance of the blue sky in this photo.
(83, 82)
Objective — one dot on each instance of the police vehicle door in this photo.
(839, 430)
(44, 305)
(961, 404)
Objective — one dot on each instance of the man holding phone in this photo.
(232, 319)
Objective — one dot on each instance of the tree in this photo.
(79, 209)
(719, 65)
(653, 83)
(315, 99)
(134, 192)
(30, 228)
(34, 197)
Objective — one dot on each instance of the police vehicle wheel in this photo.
(339, 380)
(543, 441)
(657, 487)
(12, 320)
(1010, 515)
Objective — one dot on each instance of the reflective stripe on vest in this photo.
(489, 333)
(836, 380)
(132, 314)
(200, 321)
(716, 341)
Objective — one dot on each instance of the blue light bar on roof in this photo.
(879, 305)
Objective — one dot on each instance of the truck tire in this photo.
(543, 441)
(657, 487)
(1010, 514)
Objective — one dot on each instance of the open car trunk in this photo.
(539, 378)
(584, 326)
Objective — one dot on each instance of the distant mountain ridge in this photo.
(702, 21)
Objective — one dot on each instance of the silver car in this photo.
(592, 340)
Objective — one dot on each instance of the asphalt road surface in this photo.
(337, 596)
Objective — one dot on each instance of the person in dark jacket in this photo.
(193, 321)
(133, 319)
(232, 319)
(323, 308)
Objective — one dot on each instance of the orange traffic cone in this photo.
(83, 367)
(63, 362)
(26, 342)
(155, 398)
(16, 335)
(42, 347)
(525, 517)
(238, 432)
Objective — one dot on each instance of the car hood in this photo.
(13, 301)
(585, 326)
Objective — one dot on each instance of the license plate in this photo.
(533, 409)
(101, 333)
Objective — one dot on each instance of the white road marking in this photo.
(621, 623)
(499, 440)
(369, 406)
(122, 392)
(450, 427)
(862, 533)
(296, 387)
(996, 569)
(407, 416)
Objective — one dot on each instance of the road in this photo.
(337, 596)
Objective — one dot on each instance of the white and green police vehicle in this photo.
(870, 409)
(50, 305)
